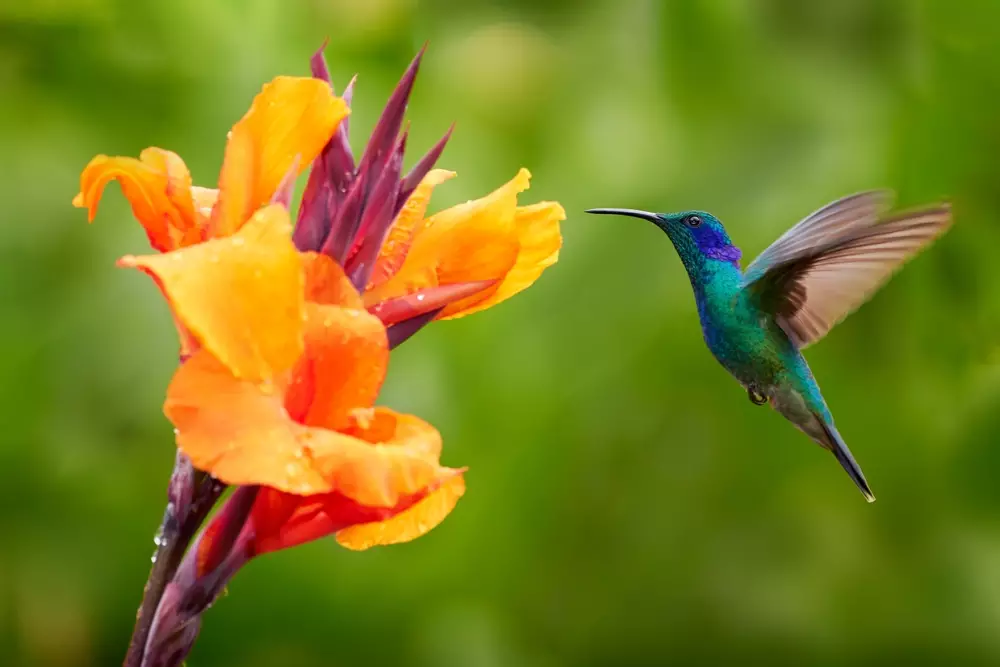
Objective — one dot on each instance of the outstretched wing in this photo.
(814, 288)
(822, 228)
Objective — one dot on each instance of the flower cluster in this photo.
(285, 333)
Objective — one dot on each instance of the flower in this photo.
(285, 338)
(277, 342)
(287, 404)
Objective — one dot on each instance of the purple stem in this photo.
(177, 620)
(191, 495)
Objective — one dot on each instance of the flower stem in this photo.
(191, 495)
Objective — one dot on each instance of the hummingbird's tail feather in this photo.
(839, 448)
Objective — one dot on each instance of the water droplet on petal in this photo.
(421, 297)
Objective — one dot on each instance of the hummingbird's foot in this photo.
(756, 397)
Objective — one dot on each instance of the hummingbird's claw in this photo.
(756, 397)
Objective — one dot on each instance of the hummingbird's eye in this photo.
(692, 221)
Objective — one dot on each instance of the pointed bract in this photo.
(411, 305)
(380, 144)
(421, 169)
(317, 64)
(377, 219)
(402, 332)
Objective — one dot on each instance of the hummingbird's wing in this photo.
(813, 288)
(820, 229)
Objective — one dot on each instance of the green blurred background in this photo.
(627, 504)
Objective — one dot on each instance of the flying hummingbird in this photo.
(757, 322)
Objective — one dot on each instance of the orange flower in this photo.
(283, 356)
(280, 392)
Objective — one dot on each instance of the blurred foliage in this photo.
(627, 505)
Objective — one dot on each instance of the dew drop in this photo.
(421, 297)
(152, 559)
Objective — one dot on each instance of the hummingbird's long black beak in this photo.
(631, 212)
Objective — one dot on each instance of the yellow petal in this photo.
(241, 297)
(539, 242)
(397, 242)
(410, 524)
(292, 117)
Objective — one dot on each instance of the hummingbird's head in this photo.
(696, 235)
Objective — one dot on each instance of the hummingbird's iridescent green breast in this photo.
(745, 340)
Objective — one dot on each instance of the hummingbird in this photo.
(757, 321)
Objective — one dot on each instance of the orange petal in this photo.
(410, 524)
(397, 241)
(539, 238)
(292, 117)
(240, 297)
(158, 186)
(341, 369)
(240, 432)
(327, 283)
(466, 243)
